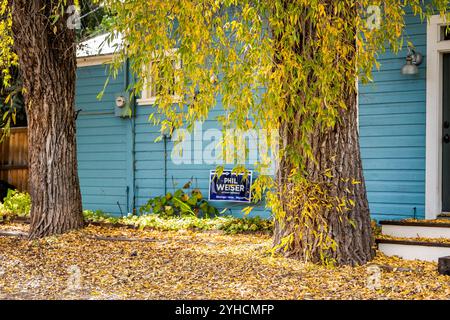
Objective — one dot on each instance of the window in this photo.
(445, 33)
(153, 87)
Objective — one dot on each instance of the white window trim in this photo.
(433, 173)
(152, 101)
(148, 100)
(94, 60)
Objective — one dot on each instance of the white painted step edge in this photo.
(405, 231)
(414, 252)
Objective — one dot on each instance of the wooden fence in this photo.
(14, 158)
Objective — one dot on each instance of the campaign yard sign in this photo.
(230, 187)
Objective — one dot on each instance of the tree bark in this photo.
(47, 61)
(338, 150)
(335, 151)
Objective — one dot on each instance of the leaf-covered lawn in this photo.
(112, 263)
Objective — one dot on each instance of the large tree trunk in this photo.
(338, 152)
(335, 174)
(47, 61)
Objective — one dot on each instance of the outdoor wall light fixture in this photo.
(120, 102)
(413, 60)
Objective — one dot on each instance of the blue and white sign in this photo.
(230, 187)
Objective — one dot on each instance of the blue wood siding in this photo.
(105, 152)
(150, 173)
(392, 130)
(103, 143)
(392, 134)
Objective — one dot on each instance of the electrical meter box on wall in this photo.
(122, 106)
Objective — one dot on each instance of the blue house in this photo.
(404, 128)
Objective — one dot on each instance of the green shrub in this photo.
(16, 203)
(227, 224)
(198, 217)
(237, 225)
(181, 203)
(98, 216)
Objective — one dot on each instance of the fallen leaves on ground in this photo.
(100, 263)
(444, 241)
(433, 221)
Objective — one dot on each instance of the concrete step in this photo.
(416, 229)
(424, 250)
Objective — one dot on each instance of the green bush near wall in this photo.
(182, 203)
(15, 204)
(18, 204)
(227, 224)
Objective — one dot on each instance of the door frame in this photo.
(433, 174)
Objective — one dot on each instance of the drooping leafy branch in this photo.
(11, 99)
(286, 66)
(257, 56)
